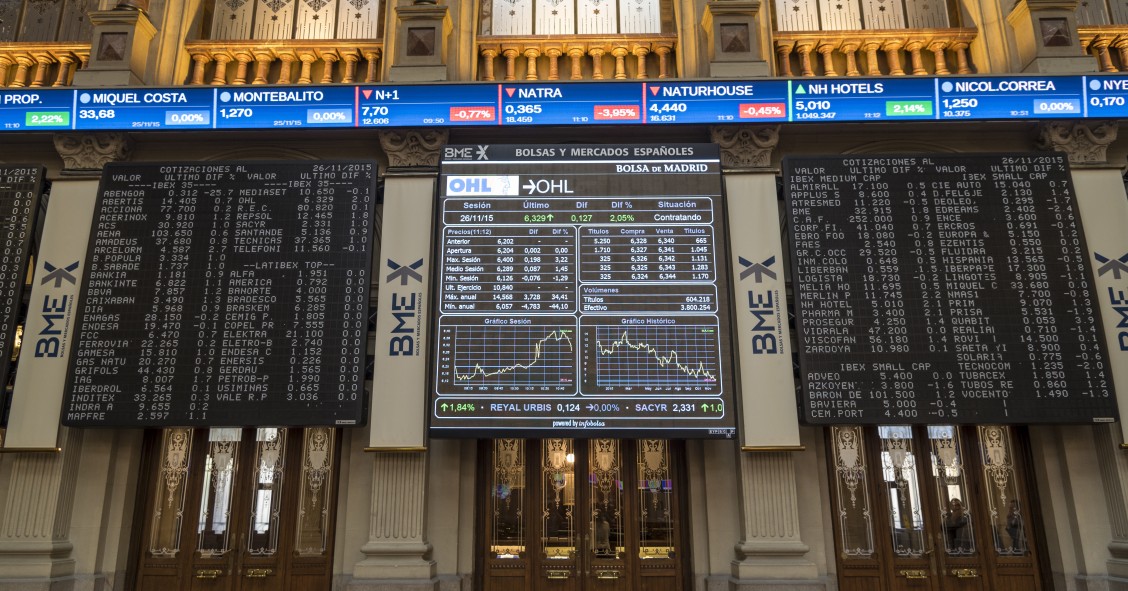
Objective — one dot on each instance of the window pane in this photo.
(507, 499)
(270, 450)
(956, 502)
(655, 500)
(902, 484)
(220, 467)
(1005, 510)
(558, 483)
(314, 500)
(853, 493)
(168, 504)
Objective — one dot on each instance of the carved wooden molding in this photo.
(823, 53)
(89, 152)
(413, 148)
(577, 57)
(346, 62)
(34, 65)
(745, 147)
(1086, 144)
(1104, 42)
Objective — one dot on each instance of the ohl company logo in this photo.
(482, 185)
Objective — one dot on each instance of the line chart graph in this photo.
(514, 357)
(683, 357)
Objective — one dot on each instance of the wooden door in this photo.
(238, 510)
(937, 508)
(574, 515)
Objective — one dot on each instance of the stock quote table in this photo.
(20, 188)
(580, 289)
(225, 294)
(942, 289)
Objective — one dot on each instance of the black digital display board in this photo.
(581, 289)
(225, 294)
(944, 289)
(20, 187)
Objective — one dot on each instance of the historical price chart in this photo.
(225, 294)
(944, 289)
(580, 288)
(20, 187)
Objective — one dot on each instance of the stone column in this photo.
(397, 555)
(1044, 33)
(1101, 197)
(36, 551)
(770, 553)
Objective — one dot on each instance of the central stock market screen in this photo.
(581, 289)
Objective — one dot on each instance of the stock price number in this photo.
(374, 115)
(96, 114)
(236, 112)
(958, 108)
(523, 109)
(1106, 101)
(666, 111)
(813, 109)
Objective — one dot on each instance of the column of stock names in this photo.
(581, 288)
(20, 187)
(225, 294)
(944, 289)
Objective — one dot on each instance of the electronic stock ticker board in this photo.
(944, 289)
(20, 187)
(581, 289)
(225, 294)
(659, 102)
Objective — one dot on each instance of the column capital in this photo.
(1086, 144)
(745, 147)
(413, 148)
(87, 153)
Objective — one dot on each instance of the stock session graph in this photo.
(509, 357)
(637, 358)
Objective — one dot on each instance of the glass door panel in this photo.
(606, 540)
(951, 507)
(237, 509)
(579, 515)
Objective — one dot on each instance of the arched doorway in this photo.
(937, 507)
(237, 509)
(571, 514)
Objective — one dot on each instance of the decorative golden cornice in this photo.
(855, 53)
(539, 57)
(1085, 143)
(251, 62)
(413, 148)
(745, 147)
(88, 153)
(36, 65)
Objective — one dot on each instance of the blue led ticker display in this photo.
(36, 109)
(1018, 97)
(279, 107)
(402, 106)
(139, 108)
(863, 100)
(717, 102)
(655, 102)
(570, 104)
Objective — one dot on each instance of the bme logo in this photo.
(1118, 296)
(54, 311)
(763, 305)
(404, 309)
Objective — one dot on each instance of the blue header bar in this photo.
(654, 102)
